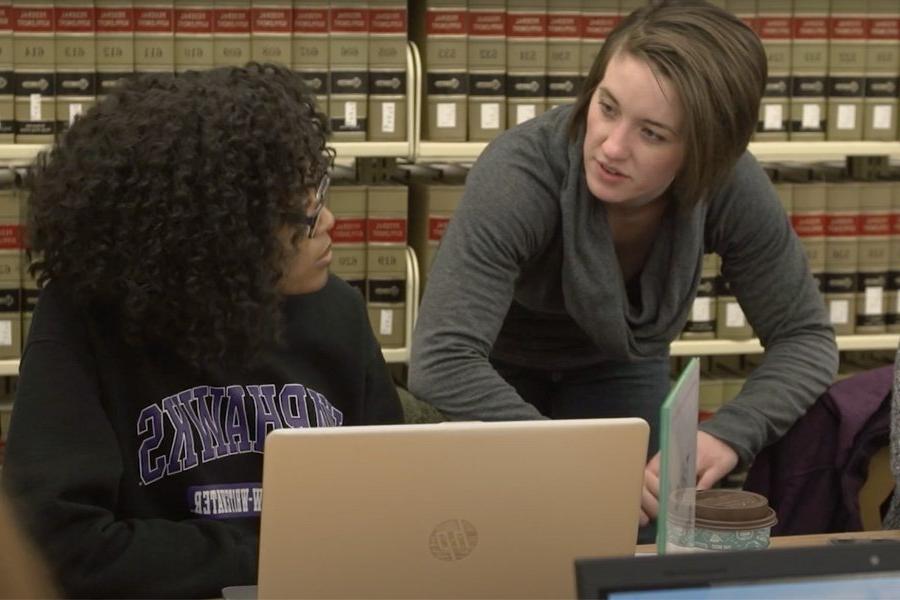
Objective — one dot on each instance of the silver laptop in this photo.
(450, 510)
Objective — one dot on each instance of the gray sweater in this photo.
(527, 273)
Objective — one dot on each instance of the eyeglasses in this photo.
(310, 216)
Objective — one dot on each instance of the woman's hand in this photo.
(715, 459)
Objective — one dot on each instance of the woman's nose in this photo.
(326, 221)
(616, 144)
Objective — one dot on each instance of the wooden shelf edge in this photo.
(879, 341)
(812, 151)
(9, 366)
(395, 355)
(764, 151)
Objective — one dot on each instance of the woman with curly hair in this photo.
(182, 246)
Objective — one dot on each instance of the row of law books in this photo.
(850, 229)
(834, 65)
(18, 289)
(58, 57)
(369, 242)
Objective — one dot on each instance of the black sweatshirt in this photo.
(139, 475)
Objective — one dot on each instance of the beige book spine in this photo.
(841, 254)
(564, 33)
(75, 28)
(701, 323)
(11, 246)
(348, 203)
(388, 32)
(785, 191)
(773, 23)
(309, 47)
(809, 64)
(114, 44)
(432, 205)
(526, 60)
(598, 19)
(271, 24)
(487, 69)
(874, 256)
(439, 28)
(731, 323)
(808, 219)
(348, 58)
(154, 36)
(34, 63)
(231, 32)
(882, 94)
(846, 69)
(386, 238)
(193, 35)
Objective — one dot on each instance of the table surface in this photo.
(818, 539)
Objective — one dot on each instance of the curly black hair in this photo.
(160, 206)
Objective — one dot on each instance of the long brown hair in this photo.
(717, 65)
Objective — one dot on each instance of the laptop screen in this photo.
(864, 570)
(871, 587)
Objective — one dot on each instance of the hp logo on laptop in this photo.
(453, 540)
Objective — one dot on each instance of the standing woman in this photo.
(575, 255)
(182, 245)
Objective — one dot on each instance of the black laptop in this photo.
(868, 570)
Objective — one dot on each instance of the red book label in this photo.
(882, 28)
(112, 20)
(37, 20)
(487, 24)
(388, 230)
(895, 223)
(774, 28)
(310, 21)
(387, 21)
(349, 231)
(810, 28)
(445, 22)
(809, 225)
(11, 237)
(5, 17)
(75, 19)
(192, 20)
(847, 28)
(153, 20)
(563, 26)
(436, 228)
(232, 20)
(876, 224)
(349, 20)
(598, 27)
(271, 20)
(841, 225)
(526, 25)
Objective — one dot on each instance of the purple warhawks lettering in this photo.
(206, 423)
